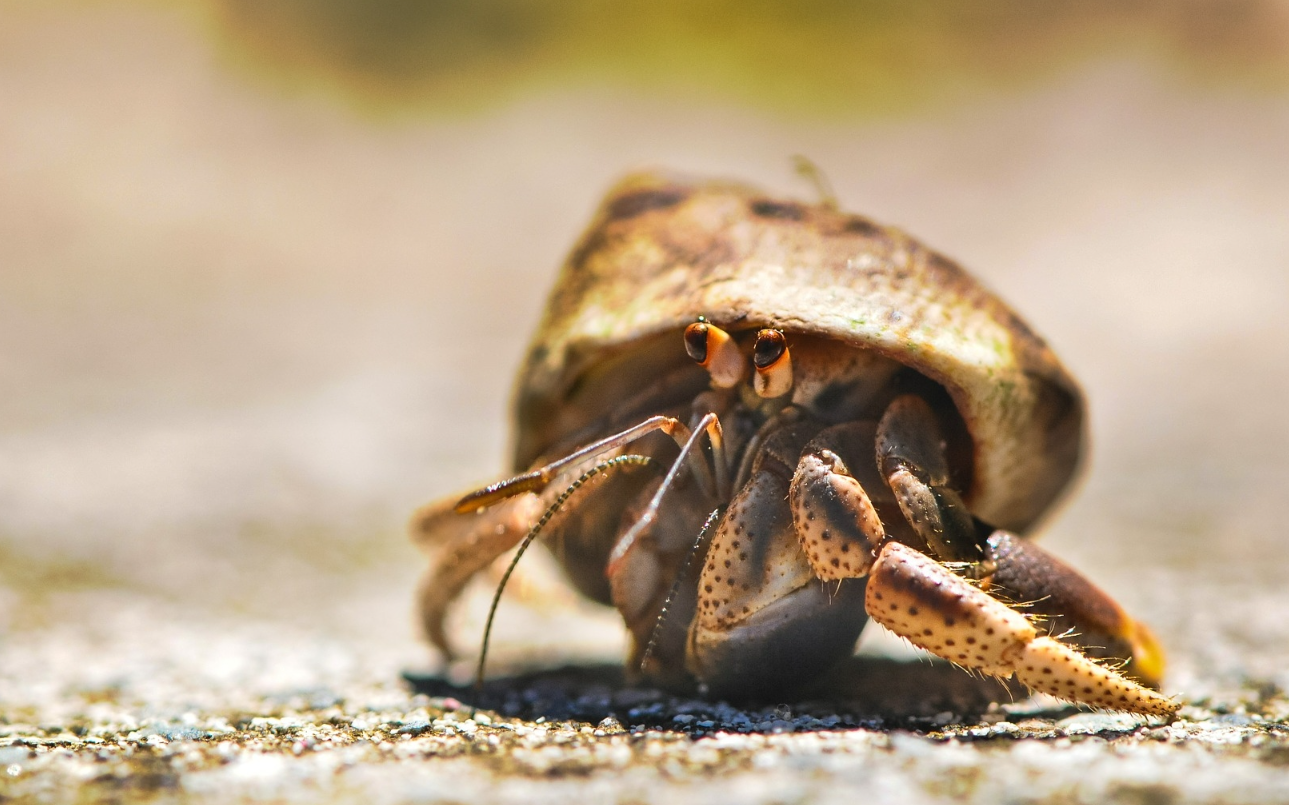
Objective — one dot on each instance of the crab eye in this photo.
(770, 346)
(696, 336)
(714, 350)
(773, 364)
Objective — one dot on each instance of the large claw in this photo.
(838, 527)
(922, 601)
(1068, 602)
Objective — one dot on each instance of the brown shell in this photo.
(661, 251)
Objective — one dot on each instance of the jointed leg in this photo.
(911, 458)
(537, 480)
(835, 520)
(462, 545)
(465, 535)
(923, 601)
(1066, 602)
(764, 620)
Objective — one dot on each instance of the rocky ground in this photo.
(243, 335)
(217, 712)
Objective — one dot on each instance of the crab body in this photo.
(845, 425)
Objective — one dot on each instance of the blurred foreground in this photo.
(244, 332)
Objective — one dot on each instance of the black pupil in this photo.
(696, 342)
(769, 348)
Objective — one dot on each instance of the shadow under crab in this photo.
(864, 691)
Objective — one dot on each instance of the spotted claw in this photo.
(925, 603)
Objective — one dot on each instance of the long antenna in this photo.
(618, 461)
(675, 585)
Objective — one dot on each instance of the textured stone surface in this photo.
(242, 335)
(200, 711)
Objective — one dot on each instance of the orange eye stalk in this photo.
(773, 364)
(714, 350)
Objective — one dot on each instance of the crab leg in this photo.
(708, 424)
(764, 621)
(835, 520)
(910, 456)
(465, 535)
(463, 545)
(536, 480)
(922, 601)
(911, 459)
(1067, 602)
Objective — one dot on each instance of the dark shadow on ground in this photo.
(871, 692)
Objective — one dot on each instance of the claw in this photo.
(1022, 571)
(911, 456)
(1148, 659)
(1055, 668)
(838, 527)
(923, 602)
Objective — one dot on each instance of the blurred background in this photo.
(267, 269)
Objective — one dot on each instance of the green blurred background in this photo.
(266, 269)
(827, 58)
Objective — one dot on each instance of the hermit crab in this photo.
(753, 424)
